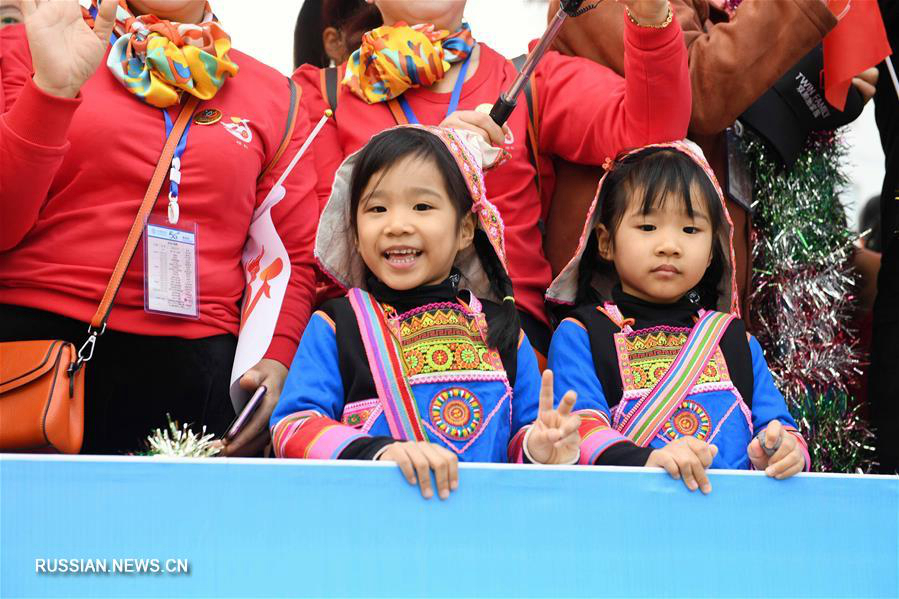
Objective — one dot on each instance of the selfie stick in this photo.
(508, 100)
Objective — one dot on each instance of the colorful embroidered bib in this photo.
(442, 344)
(393, 59)
(647, 361)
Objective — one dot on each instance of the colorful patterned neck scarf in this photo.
(394, 58)
(156, 59)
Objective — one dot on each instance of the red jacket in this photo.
(73, 173)
(586, 114)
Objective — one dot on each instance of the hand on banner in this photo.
(255, 435)
(647, 12)
(65, 51)
(554, 436)
(418, 458)
(787, 459)
(866, 83)
(686, 458)
(480, 123)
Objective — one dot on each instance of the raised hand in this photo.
(418, 458)
(65, 51)
(647, 12)
(554, 436)
(686, 458)
(786, 456)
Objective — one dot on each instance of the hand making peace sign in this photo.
(554, 436)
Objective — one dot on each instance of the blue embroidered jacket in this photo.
(329, 407)
(734, 396)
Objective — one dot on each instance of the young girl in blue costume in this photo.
(423, 362)
(665, 372)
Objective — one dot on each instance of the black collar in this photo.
(403, 301)
(648, 314)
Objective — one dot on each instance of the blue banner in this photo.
(147, 527)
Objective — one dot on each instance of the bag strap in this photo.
(650, 413)
(288, 128)
(98, 322)
(530, 96)
(385, 363)
(328, 80)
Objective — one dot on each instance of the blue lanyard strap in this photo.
(454, 98)
(175, 171)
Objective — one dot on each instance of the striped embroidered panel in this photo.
(308, 434)
(597, 435)
(648, 416)
(385, 362)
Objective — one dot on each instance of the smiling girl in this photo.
(423, 362)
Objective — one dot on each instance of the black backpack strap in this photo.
(510, 359)
(358, 383)
(533, 141)
(601, 331)
(735, 348)
(329, 78)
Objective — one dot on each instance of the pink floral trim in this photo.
(372, 406)
(435, 306)
(466, 375)
(619, 414)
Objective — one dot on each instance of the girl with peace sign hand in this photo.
(423, 362)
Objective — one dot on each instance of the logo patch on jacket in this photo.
(239, 128)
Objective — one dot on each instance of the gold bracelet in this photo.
(661, 25)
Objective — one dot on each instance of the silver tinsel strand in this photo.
(802, 298)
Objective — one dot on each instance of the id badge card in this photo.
(170, 268)
(739, 181)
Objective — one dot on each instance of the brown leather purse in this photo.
(42, 382)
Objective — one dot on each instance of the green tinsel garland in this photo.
(802, 299)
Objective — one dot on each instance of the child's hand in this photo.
(686, 458)
(786, 457)
(417, 458)
(554, 436)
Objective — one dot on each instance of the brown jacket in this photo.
(732, 62)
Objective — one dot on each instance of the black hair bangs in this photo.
(659, 175)
(388, 148)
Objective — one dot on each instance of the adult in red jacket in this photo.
(78, 144)
(585, 112)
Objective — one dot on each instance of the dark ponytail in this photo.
(505, 327)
